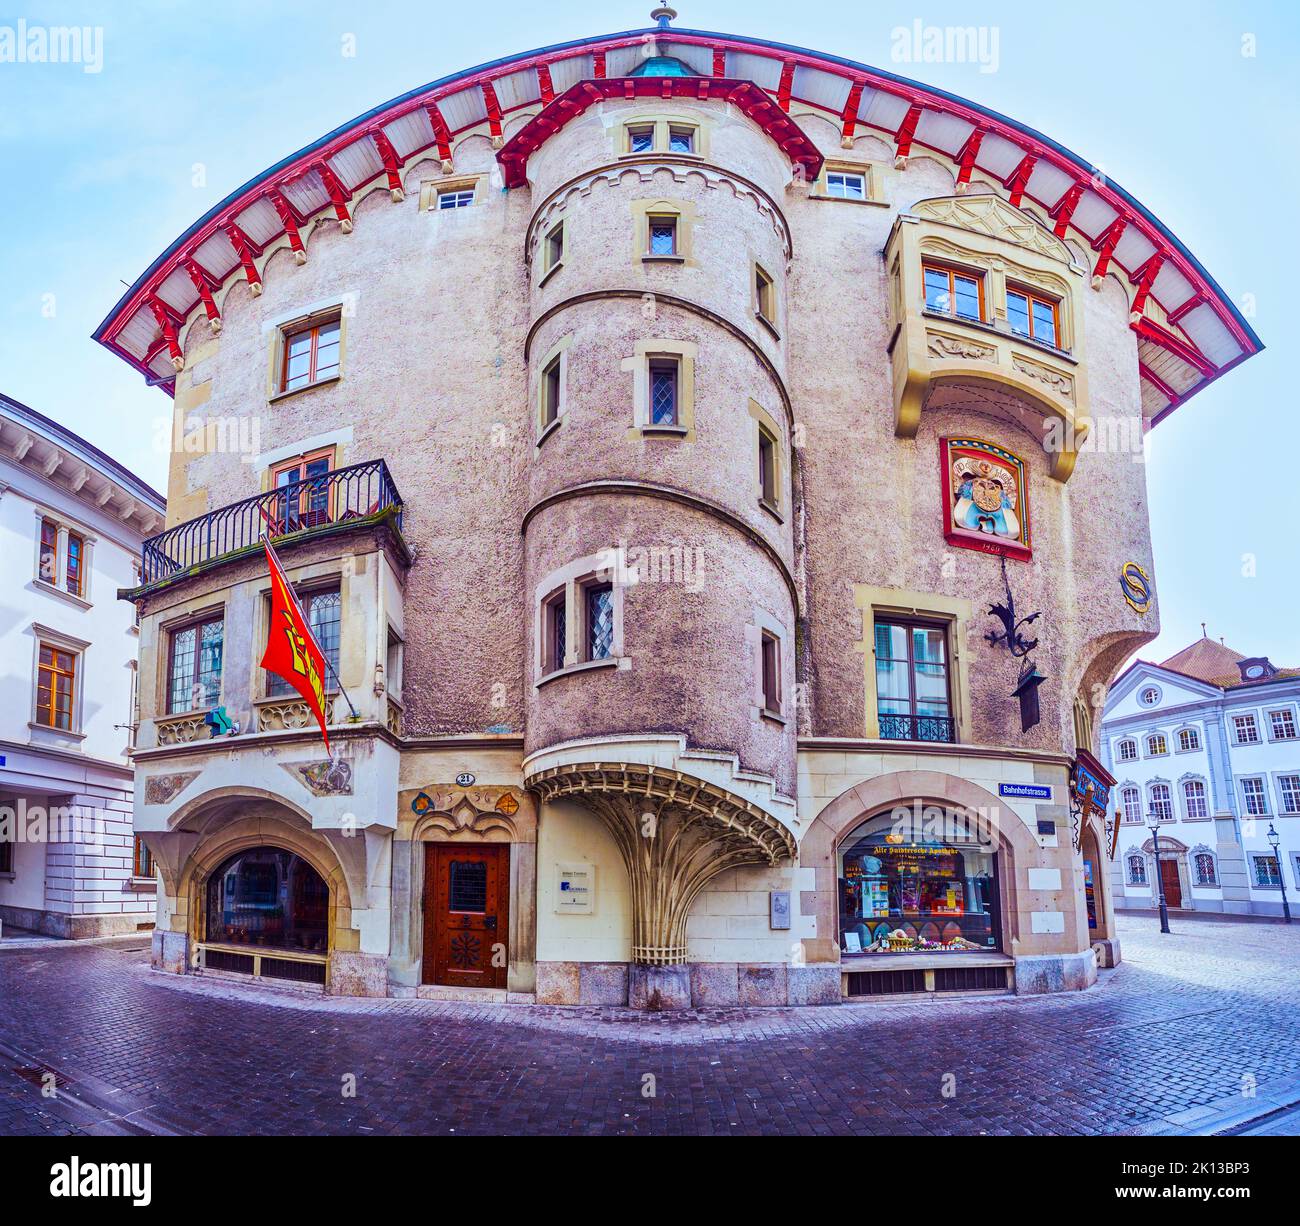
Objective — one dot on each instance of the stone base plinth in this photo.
(1041, 973)
(64, 926)
(170, 952)
(354, 974)
(659, 987)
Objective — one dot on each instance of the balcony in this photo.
(354, 497)
(976, 359)
(917, 728)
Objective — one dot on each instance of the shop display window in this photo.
(907, 890)
(270, 898)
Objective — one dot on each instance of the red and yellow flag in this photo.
(292, 652)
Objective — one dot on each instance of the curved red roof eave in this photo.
(921, 99)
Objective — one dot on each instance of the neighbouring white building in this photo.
(1210, 740)
(71, 523)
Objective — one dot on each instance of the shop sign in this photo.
(1037, 792)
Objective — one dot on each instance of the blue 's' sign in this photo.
(1026, 791)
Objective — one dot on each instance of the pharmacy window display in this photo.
(907, 893)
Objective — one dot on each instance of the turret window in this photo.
(599, 601)
(681, 139)
(641, 139)
(664, 391)
(663, 236)
(555, 629)
(311, 355)
(771, 669)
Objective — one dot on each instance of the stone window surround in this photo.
(764, 623)
(1148, 752)
(685, 352)
(954, 612)
(1231, 718)
(201, 608)
(1149, 689)
(559, 350)
(303, 589)
(1279, 795)
(683, 212)
(1255, 857)
(1127, 740)
(340, 307)
(1131, 859)
(1181, 797)
(1262, 780)
(64, 524)
(76, 647)
(661, 121)
(1151, 784)
(1124, 817)
(431, 189)
(871, 181)
(552, 266)
(1196, 733)
(767, 319)
(572, 578)
(1202, 850)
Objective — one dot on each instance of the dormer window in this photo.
(952, 291)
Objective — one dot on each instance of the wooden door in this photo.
(1169, 879)
(466, 914)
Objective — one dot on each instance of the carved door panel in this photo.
(1169, 879)
(466, 914)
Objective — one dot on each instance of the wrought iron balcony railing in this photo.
(917, 728)
(293, 510)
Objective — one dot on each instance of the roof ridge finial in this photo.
(1203, 634)
(662, 16)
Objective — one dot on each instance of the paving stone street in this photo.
(1187, 1021)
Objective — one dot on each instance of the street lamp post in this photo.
(1274, 839)
(1153, 820)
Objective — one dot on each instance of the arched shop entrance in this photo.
(910, 887)
(266, 912)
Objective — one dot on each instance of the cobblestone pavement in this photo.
(1187, 1020)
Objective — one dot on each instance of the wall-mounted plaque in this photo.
(778, 902)
(575, 889)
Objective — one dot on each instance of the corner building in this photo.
(647, 422)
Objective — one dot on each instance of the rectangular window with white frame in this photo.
(1282, 724)
(1288, 790)
(1254, 796)
(1267, 875)
(845, 185)
(1245, 729)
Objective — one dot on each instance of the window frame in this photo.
(555, 247)
(301, 462)
(1256, 857)
(1135, 860)
(1248, 794)
(311, 326)
(663, 220)
(1246, 719)
(664, 363)
(306, 592)
(1192, 734)
(586, 590)
(1288, 718)
(555, 631)
(769, 673)
(860, 176)
(765, 297)
(692, 135)
(1163, 751)
(552, 391)
(74, 673)
(1210, 882)
(1288, 796)
(196, 622)
(1164, 807)
(1036, 297)
(1128, 818)
(453, 192)
(634, 128)
(769, 469)
(146, 869)
(909, 624)
(1203, 799)
(1121, 756)
(952, 272)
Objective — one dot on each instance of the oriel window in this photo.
(194, 671)
(953, 292)
(324, 611)
(1034, 315)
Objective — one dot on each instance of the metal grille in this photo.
(886, 983)
(916, 728)
(663, 238)
(219, 960)
(298, 972)
(970, 978)
(467, 890)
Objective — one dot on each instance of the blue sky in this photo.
(102, 170)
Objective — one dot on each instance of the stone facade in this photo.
(696, 743)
